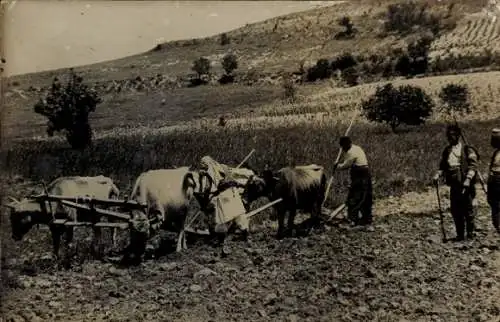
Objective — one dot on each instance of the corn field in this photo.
(401, 162)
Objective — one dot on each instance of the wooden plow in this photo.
(122, 217)
(231, 208)
(94, 205)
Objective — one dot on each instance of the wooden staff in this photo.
(245, 159)
(441, 215)
(330, 181)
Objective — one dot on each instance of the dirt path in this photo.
(400, 271)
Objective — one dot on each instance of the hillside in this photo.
(276, 44)
(149, 89)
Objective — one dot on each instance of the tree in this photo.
(403, 65)
(455, 98)
(224, 39)
(350, 76)
(67, 109)
(418, 52)
(201, 66)
(229, 63)
(319, 71)
(416, 59)
(349, 30)
(343, 62)
(406, 104)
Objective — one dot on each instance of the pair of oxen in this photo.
(167, 194)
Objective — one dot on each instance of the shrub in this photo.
(224, 39)
(289, 88)
(416, 59)
(406, 104)
(455, 98)
(320, 71)
(404, 17)
(67, 109)
(229, 63)
(349, 30)
(403, 65)
(201, 66)
(418, 52)
(226, 79)
(346, 60)
(350, 76)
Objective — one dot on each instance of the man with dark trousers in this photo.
(360, 196)
(494, 180)
(458, 166)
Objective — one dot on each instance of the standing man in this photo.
(494, 180)
(458, 165)
(360, 196)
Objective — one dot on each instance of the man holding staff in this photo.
(360, 196)
(458, 166)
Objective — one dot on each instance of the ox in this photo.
(28, 212)
(300, 187)
(167, 194)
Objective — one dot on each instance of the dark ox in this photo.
(29, 212)
(301, 188)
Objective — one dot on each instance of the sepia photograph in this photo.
(250, 160)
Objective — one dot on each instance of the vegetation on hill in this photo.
(67, 108)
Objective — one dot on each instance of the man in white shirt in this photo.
(458, 167)
(360, 196)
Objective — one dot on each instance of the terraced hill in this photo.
(474, 34)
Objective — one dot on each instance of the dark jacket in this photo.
(469, 161)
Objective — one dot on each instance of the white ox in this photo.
(167, 194)
(28, 212)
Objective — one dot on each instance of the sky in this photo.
(46, 34)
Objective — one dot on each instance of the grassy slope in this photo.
(300, 36)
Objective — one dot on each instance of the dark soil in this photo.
(400, 271)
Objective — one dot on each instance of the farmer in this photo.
(359, 199)
(494, 180)
(458, 166)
